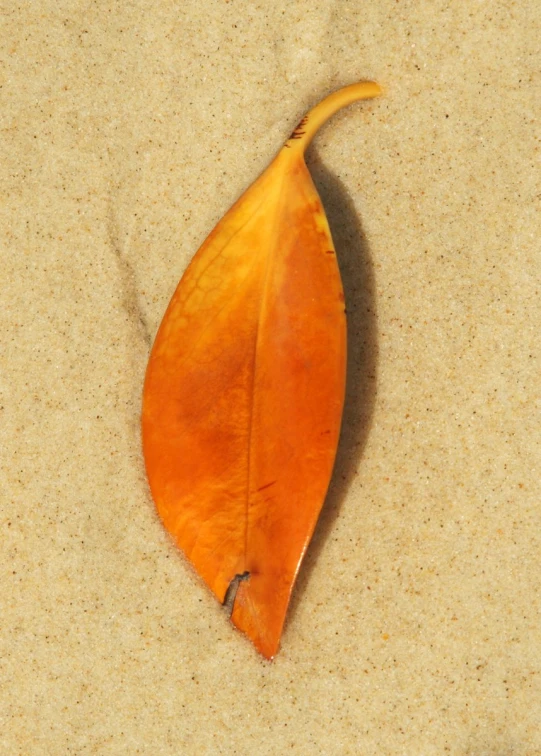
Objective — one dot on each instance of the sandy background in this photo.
(127, 130)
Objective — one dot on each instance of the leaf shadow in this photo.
(357, 272)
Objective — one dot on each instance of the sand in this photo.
(128, 129)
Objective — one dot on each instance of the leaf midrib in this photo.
(263, 298)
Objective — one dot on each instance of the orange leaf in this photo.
(244, 390)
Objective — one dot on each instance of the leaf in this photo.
(244, 390)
